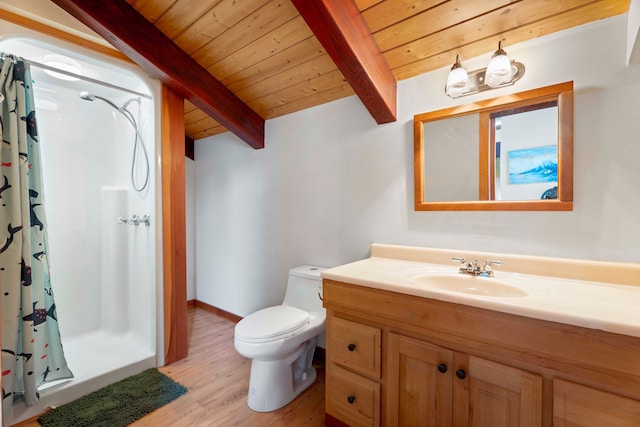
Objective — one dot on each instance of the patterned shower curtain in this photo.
(31, 348)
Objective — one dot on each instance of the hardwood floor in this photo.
(218, 378)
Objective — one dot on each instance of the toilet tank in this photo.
(303, 286)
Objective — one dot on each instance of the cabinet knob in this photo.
(351, 398)
(460, 373)
(351, 347)
(442, 368)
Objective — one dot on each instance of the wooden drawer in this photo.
(354, 345)
(352, 399)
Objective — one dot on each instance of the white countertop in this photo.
(591, 304)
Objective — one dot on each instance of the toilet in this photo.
(281, 341)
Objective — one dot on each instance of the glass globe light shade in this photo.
(499, 70)
(458, 80)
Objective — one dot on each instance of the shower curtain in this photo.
(31, 348)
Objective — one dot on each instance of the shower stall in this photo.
(102, 204)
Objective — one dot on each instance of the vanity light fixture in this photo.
(500, 72)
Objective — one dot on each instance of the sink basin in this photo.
(475, 285)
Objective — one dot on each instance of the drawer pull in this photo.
(442, 368)
(351, 398)
(460, 373)
(351, 347)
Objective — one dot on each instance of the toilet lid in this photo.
(271, 322)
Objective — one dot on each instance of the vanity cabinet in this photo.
(400, 360)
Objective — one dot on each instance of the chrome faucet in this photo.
(136, 220)
(474, 268)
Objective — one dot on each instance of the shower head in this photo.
(87, 96)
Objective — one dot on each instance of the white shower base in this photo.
(96, 359)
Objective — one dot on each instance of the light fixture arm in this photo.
(457, 64)
(500, 51)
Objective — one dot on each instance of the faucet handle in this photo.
(489, 263)
(462, 261)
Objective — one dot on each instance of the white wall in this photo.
(330, 181)
(633, 33)
(190, 196)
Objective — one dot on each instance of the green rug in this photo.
(118, 404)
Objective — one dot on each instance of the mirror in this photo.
(513, 152)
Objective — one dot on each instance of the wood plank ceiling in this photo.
(264, 52)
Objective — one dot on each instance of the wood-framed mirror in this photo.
(513, 152)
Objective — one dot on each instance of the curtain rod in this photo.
(74, 75)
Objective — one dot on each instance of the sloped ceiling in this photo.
(266, 55)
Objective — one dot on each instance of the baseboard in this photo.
(191, 303)
(215, 310)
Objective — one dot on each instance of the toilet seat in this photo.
(271, 324)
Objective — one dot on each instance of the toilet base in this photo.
(274, 383)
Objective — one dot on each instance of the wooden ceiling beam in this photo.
(127, 30)
(345, 36)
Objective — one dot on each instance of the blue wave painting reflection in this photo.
(531, 165)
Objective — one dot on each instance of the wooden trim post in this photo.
(174, 227)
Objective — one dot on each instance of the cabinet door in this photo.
(578, 405)
(419, 383)
(500, 395)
